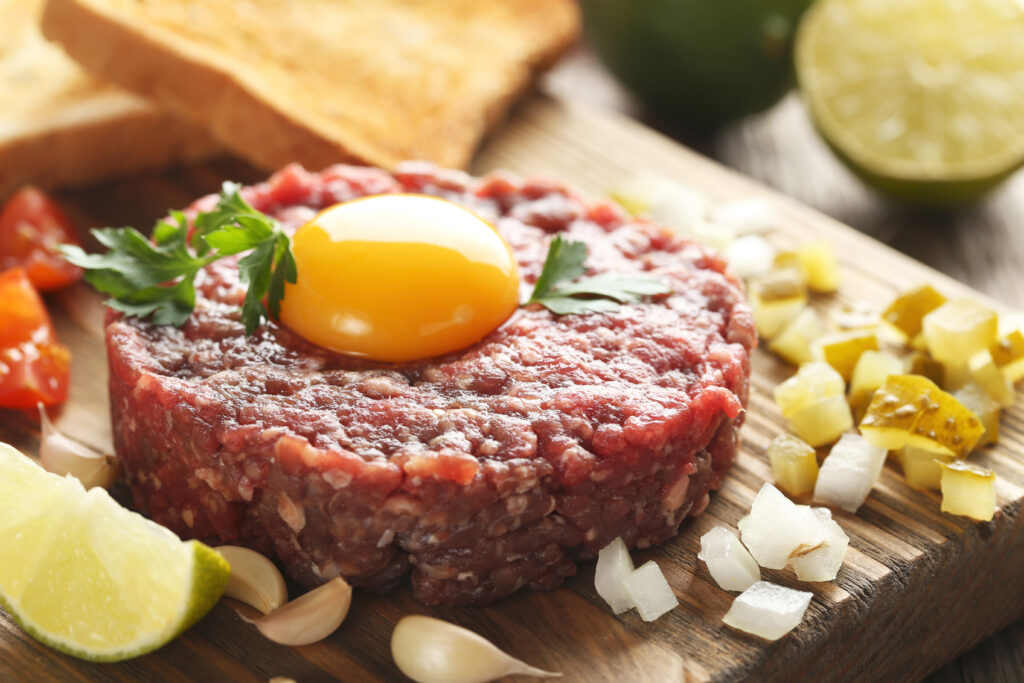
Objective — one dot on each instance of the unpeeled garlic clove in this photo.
(61, 455)
(429, 650)
(310, 618)
(254, 579)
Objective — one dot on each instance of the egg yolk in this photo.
(399, 277)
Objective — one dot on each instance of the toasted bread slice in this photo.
(322, 81)
(58, 126)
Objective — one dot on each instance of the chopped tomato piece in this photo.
(33, 366)
(31, 227)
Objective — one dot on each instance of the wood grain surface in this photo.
(981, 245)
(918, 587)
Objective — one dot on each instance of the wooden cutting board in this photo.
(918, 587)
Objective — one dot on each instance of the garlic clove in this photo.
(429, 650)
(254, 579)
(61, 455)
(309, 618)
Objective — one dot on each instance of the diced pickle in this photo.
(822, 422)
(921, 468)
(968, 490)
(811, 383)
(780, 285)
(1008, 353)
(793, 343)
(777, 298)
(955, 375)
(854, 316)
(872, 369)
(794, 464)
(912, 410)
(958, 329)
(921, 363)
(788, 259)
(908, 309)
(976, 400)
(989, 377)
(820, 267)
(842, 350)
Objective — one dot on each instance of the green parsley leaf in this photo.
(564, 262)
(598, 293)
(155, 278)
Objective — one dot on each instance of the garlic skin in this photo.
(429, 650)
(307, 619)
(254, 580)
(61, 455)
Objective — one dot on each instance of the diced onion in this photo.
(714, 235)
(768, 610)
(650, 591)
(676, 205)
(849, 473)
(750, 256)
(776, 528)
(614, 566)
(750, 215)
(731, 565)
(823, 563)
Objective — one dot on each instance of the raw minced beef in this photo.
(482, 472)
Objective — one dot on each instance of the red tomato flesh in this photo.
(34, 367)
(31, 227)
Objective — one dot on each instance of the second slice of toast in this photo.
(59, 126)
(322, 81)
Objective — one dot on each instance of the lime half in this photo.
(85, 576)
(922, 98)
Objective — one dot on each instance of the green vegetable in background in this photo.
(700, 62)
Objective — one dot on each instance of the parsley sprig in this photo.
(602, 292)
(156, 279)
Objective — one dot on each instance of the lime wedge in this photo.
(923, 99)
(84, 575)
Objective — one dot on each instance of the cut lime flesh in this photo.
(85, 576)
(922, 98)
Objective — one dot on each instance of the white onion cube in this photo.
(715, 235)
(768, 610)
(777, 527)
(750, 256)
(748, 215)
(676, 205)
(849, 473)
(731, 565)
(823, 563)
(650, 591)
(614, 566)
(679, 208)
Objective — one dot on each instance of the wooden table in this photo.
(980, 245)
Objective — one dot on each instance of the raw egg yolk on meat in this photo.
(399, 277)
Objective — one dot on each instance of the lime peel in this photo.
(919, 97)
(89, 578)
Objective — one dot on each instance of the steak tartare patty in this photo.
(482, 472)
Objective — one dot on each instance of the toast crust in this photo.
(60, 127)
(120, 138)
(275, 106)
